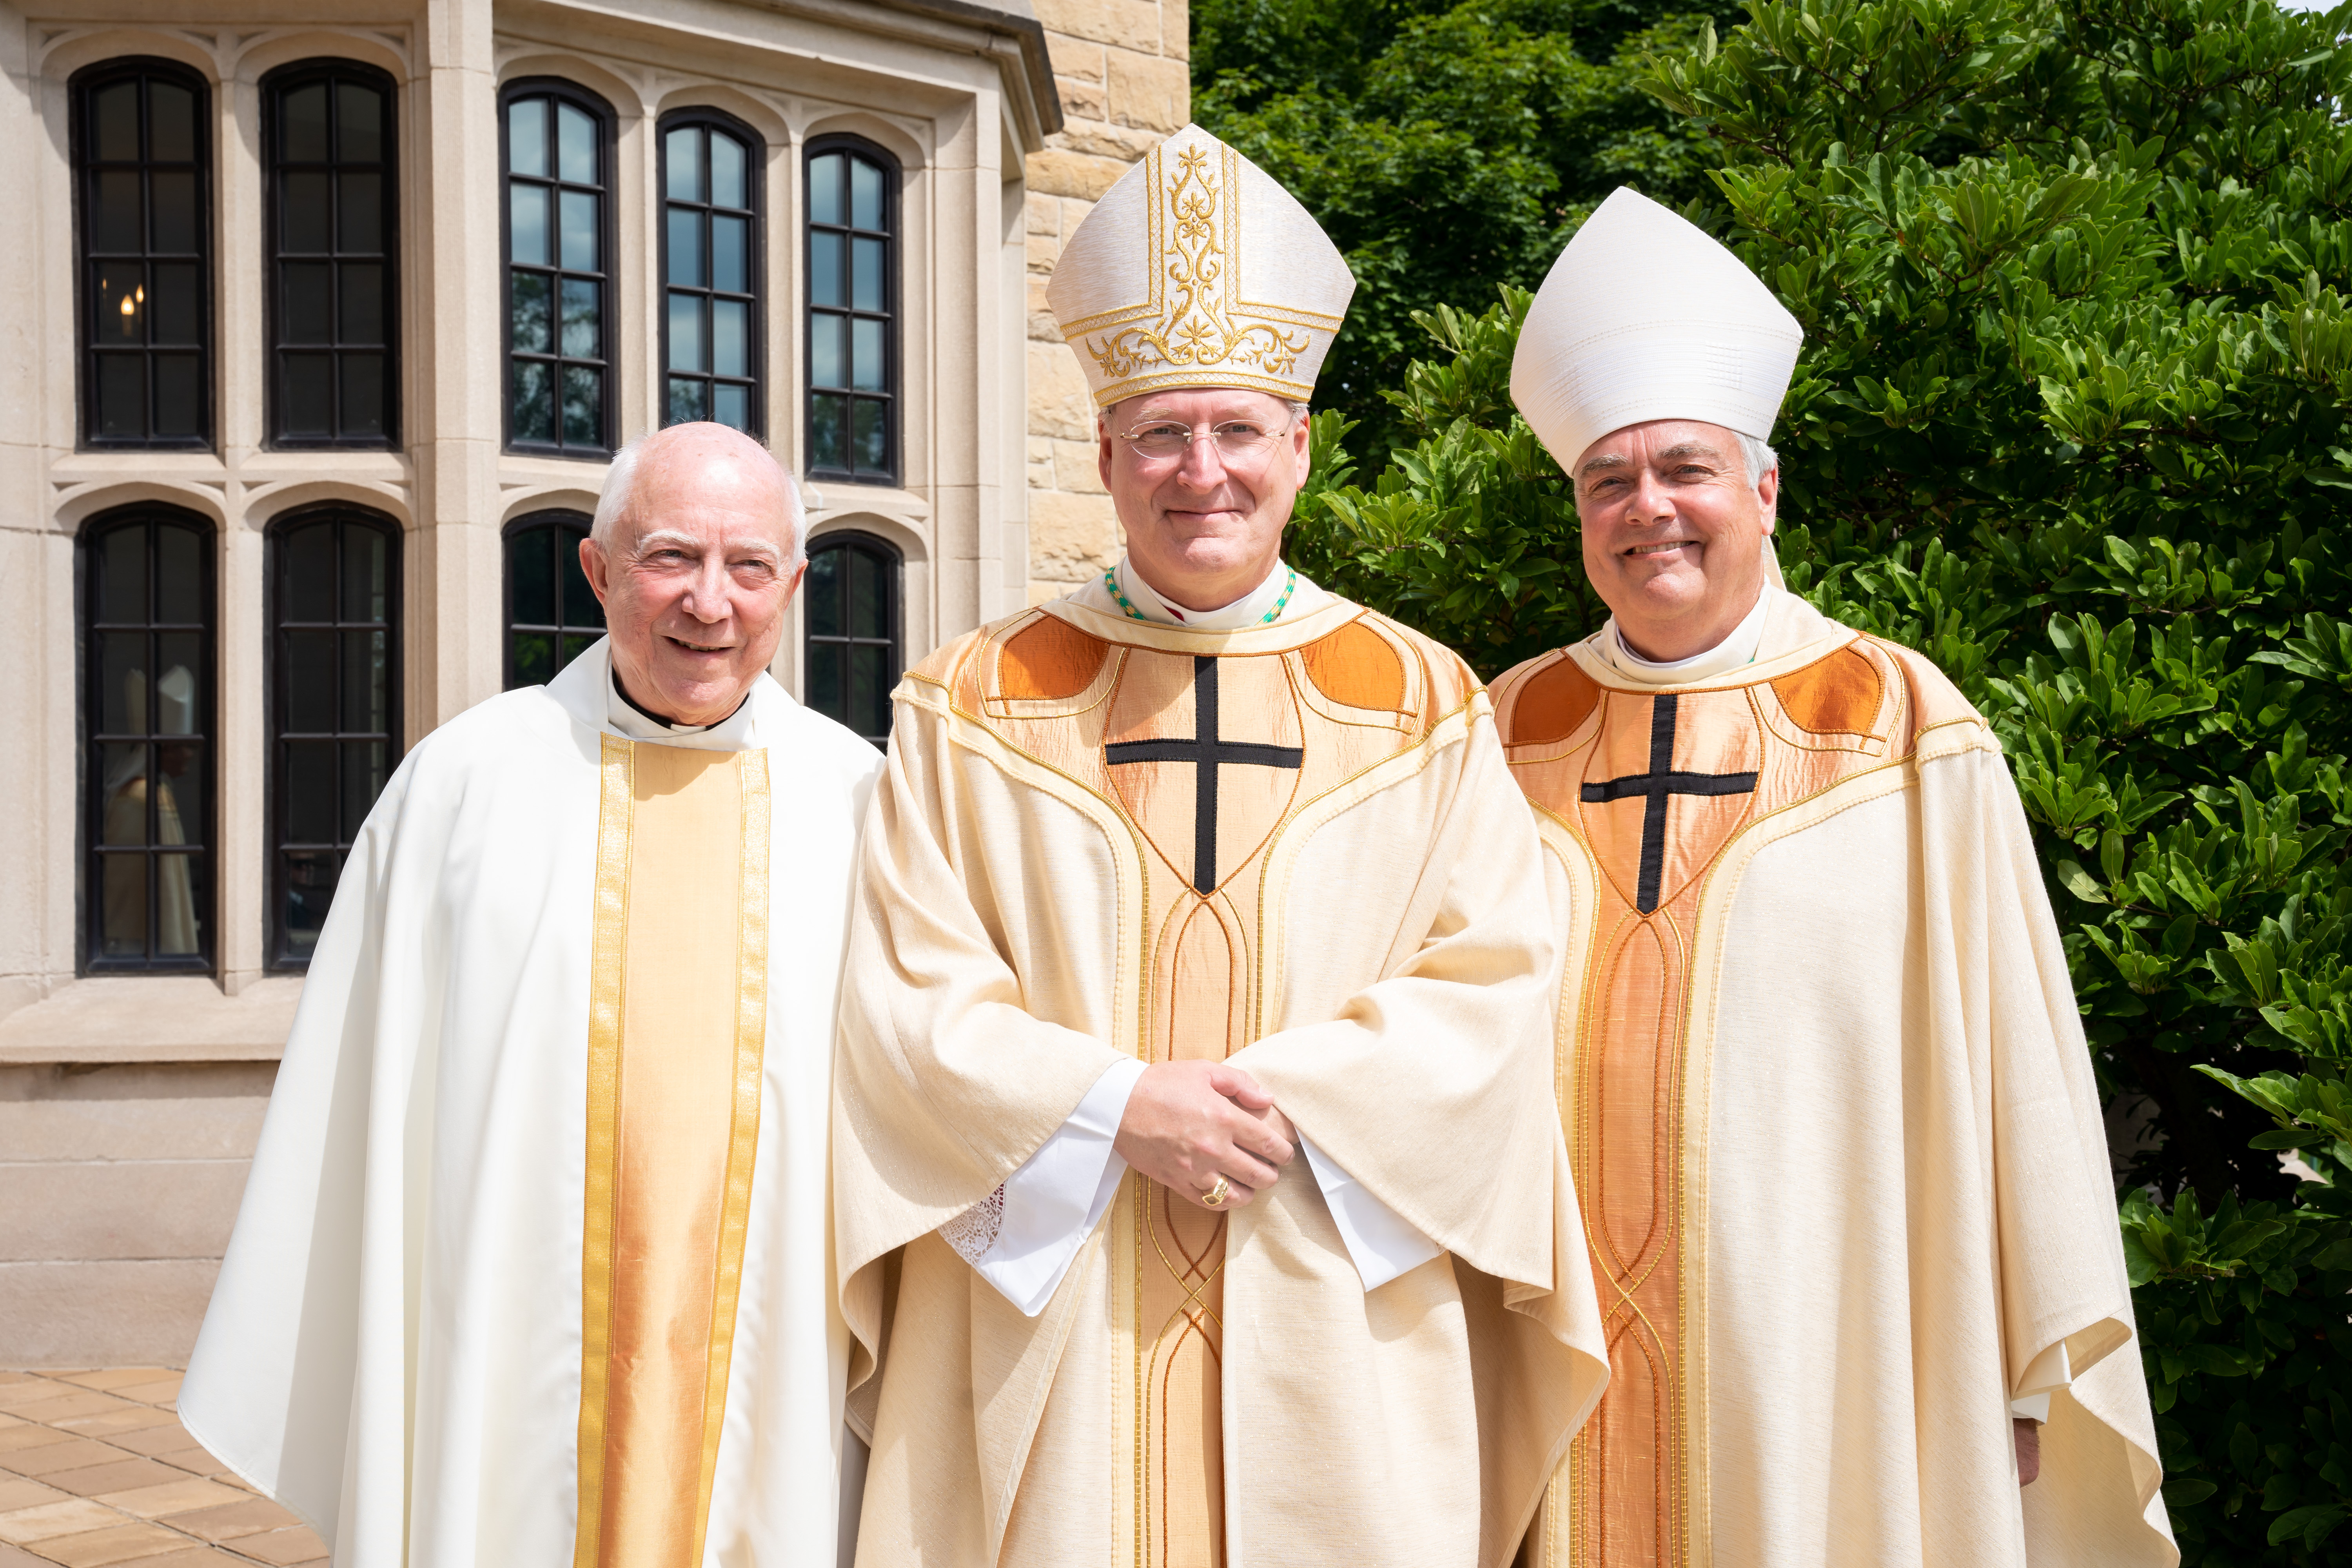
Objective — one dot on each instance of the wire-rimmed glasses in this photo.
(1240, 442)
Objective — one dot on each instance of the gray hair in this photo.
(620, 488)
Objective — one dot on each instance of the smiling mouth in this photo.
(1660, 548)
(699, 647)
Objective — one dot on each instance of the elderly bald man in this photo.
(1817, 1054)
(532, 1268)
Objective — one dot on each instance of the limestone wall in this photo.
(1122, 68)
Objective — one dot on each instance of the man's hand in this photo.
(2029, 1449)
(1187, 1123)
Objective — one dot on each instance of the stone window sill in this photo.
(108, 1020)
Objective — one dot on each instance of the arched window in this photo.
(559, 245)
(850, 605)
(142, 159)
(147, 606)
(334, 708)
(853, 302)
(551, 613)
(333, 217)
(711, 169)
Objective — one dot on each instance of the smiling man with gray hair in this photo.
(532, 1270)
(1819, 1064)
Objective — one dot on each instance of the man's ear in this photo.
(595, 568)
(1768, 496)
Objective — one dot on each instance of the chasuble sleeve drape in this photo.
(2063, 1281)
(946, 1079)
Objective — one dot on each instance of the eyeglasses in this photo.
(1239, 441)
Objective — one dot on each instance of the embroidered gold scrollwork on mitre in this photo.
(1197, 269)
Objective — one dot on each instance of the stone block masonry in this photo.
(1121, 68)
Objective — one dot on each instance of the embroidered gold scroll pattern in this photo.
(1197, 241)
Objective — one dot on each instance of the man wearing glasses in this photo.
(1197, 870)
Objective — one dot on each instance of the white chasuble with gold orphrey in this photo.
(533, 1267)
(1831, 1117)
(1293, 848)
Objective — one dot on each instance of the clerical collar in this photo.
(639, 723)
(1739, 648)
(1261, 606)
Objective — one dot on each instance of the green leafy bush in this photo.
(1447, 146)
(2070, 420)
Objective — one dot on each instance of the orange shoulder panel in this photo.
(1839, 695)
(1357, 666)
(1049, 658)
(1550, 703)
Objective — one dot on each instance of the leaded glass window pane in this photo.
(333, 309)
(141, 147)
(853, 286)
(147, 708)
(559, 281)
(335, 706)
(553, 616)
(710, 232)
(850, 607)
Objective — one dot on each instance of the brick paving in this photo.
(96, 1469)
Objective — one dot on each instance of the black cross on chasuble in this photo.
(1206, 751)
(1659, 783)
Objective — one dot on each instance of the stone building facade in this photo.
(430, 421)
(1121, 69)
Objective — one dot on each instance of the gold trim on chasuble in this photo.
(1206, 757)
(1643, 793)
(677, 1028)
(1195, 316)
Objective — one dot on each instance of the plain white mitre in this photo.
(1644, 317)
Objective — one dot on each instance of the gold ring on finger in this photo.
(1214, 1198)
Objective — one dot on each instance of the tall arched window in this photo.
(334, 217)
(711, 166)
(551, 613)
(334, 713)
(853, 302)
(559, 243)
(147, 608)
(142, 159)
(850, 606)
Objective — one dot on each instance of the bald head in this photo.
(695, 553)
(701, 456)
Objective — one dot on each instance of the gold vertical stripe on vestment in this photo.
(678, 1032)
(743, 1138)
(609, 924)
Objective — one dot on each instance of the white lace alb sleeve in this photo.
(1024, 1235)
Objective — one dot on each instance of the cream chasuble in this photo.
(1830, 1113)
(1290, 846)
(532, 1266)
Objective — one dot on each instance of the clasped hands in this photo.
(1188, 1123)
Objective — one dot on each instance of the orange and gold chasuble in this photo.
(678, 1025)
(1641, 795)
(1205, 760)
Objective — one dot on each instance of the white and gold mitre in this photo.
(1645, 317)
(1197, 269)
